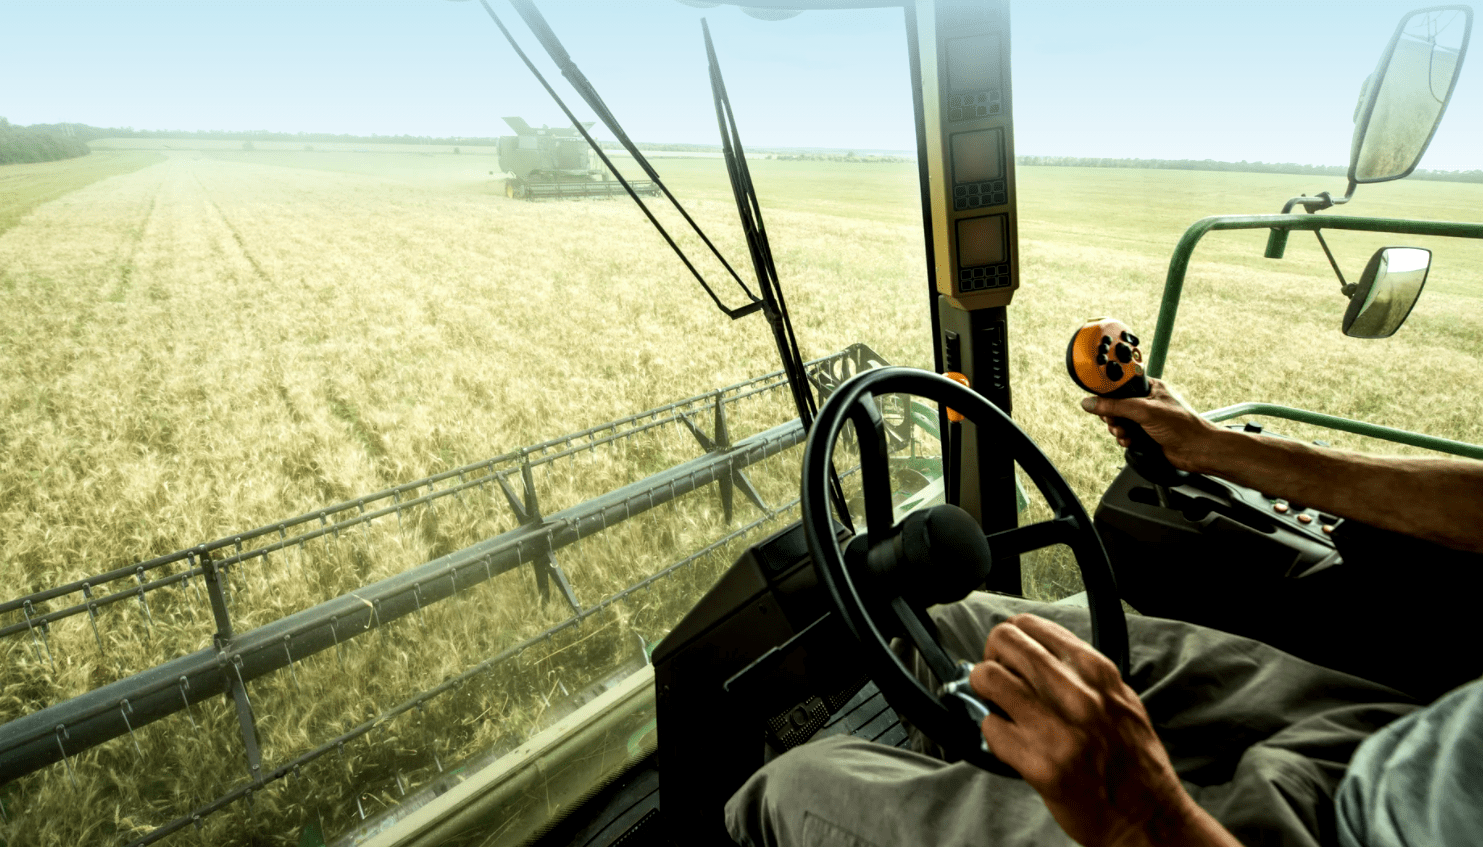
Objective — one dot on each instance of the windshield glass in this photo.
(301, 316)
(335, 361)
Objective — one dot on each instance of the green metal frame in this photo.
(1400, 436)
(1174, 287)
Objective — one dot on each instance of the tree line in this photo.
(46, 142)
(29, 144)
(90, 133)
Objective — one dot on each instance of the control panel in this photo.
(966, 155)
(1294, 516)
(964, 50)
(1210, 544)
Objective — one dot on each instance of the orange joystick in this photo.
(1103, 358)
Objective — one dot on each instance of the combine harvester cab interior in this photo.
(641, 520)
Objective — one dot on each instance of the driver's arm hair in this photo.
(1439, 499)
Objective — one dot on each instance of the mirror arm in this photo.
(1324, 200)
(1345, 287)
(1277, 237)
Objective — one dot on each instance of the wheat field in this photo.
(219, 339)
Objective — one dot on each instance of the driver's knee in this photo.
(832, 791)
(771, 807)
(966, 624)
(848, 791)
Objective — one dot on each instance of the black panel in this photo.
(1231, 558)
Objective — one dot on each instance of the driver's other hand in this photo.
(1079, 736)
(1184, 435)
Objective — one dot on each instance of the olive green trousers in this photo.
(1259, 737)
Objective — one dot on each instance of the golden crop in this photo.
(224, 339)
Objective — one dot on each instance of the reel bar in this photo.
(332, 519)
(422, 698)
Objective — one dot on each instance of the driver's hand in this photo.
(1081, 737)
(1184, 435)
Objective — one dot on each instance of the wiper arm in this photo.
(774, 305)
(542, 31)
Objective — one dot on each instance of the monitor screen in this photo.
(973, 63)
(981, 241)
(978, 156)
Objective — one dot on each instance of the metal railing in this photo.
(61, 731)
(1158, 349)
(1369, 430)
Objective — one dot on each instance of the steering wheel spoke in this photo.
(875, 467)
(1023, 539)
(937, 659)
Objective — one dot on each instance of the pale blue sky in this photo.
(1272, 81)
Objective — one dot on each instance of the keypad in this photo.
(976, 195)
(977, 104)
(983, 278)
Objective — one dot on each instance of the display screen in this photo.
(978, 156)
(981, 241)
(973, 63)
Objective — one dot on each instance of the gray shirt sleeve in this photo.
(1418, 781)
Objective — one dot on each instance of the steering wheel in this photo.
(893, 572)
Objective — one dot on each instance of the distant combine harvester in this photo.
(549, 162)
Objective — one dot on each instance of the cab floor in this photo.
(627, 812)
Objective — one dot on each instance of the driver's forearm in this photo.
(1187, 826)
(1439, 499)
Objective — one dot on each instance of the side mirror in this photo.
(1387, 291)
(1400, 105)
(1403, 100)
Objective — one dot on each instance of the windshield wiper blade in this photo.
(774, 304)
(542, 31)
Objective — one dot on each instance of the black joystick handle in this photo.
(1145, 455)
(1104, 359)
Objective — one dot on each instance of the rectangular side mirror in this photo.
(1403, 100)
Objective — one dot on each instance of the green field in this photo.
(24, 187)
(207, 340)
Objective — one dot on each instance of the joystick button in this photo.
(1106, 341)
(1124, 353)
(1114, 371)
(1101, 359)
